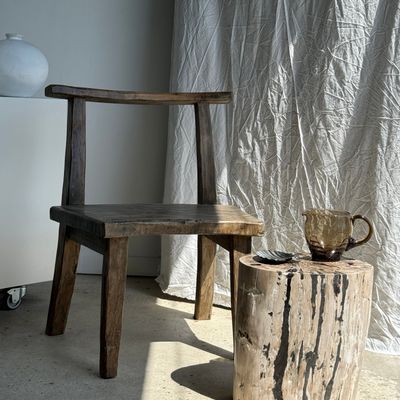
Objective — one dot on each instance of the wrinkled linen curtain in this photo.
(315, 122)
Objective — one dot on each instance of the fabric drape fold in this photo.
(315, 122)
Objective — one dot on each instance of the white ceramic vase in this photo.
(23, 67)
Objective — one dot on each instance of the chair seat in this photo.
(120, 220)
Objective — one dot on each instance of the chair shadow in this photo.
(168, 332)
(213, 379)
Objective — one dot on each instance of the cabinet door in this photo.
(32, 145)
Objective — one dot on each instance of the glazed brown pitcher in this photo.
(328, 233)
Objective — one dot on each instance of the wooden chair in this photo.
(106, 228)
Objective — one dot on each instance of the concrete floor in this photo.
(165, 354)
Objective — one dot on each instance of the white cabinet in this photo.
(32, 145)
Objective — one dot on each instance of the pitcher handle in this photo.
(353, 242)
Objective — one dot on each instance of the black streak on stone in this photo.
(301, 274)
(311, 356)
(282, 356)
(265, 350)
(337, 282)
(345, 285)
(328, 391)
(245, 335)
(300, 357)
(293, 356)
(314, 284)
(262, 375)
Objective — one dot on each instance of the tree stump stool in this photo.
(301, 329)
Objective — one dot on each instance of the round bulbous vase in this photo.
(23, 67)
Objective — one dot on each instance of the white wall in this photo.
(111, 44)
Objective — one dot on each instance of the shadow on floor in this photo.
(213, 379)
(159, 318)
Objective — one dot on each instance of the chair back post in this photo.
(73, 192)
(206, 186)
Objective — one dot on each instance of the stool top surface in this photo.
(304, 265)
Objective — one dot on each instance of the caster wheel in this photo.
(11, 299)
(10, 305)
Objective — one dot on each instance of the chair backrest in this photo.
(75, 152)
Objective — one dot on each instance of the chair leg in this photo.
(240, 246)
(112, 297)
(205, 278)
(63, 283)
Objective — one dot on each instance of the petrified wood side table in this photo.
(301, 329)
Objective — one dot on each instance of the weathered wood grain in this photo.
(158, 219)
(63, 283)
(301, 329)
(206, 186)
(129, 97)
(206, 249)
(240, 245)
(88, 240)
(115, 264)
(222, 240)
(75, 154)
